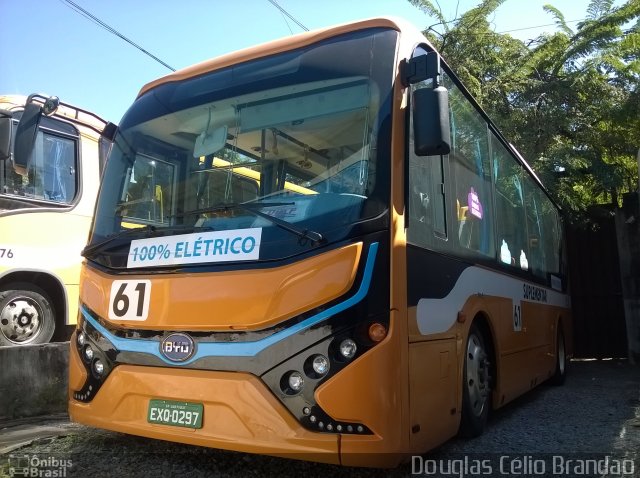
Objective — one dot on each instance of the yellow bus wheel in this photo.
(26, 315)
(476, 387)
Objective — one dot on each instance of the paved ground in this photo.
(595, 416)
(20, 433)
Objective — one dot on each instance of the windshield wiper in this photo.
(231, 205)
(313, 236)
(148, 229)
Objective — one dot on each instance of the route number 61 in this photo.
(129, 300)
(517, 317)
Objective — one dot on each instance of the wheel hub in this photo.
(478, 378)
(20, 320)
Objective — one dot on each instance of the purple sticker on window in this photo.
(475, 208)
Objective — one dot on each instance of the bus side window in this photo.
(425, 197)
(511, 220)
(59, 171)
(426, 206)
(53, 172)
(535, 227)
(470, 168)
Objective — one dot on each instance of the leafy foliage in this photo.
(567, 100)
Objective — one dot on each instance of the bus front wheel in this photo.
(26, 315)
(476, 389)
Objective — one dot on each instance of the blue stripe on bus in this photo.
(239, 349)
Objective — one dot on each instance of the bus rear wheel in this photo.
(476, 387)
(26, 315)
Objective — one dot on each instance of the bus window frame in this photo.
(452, 248)
(65, 130)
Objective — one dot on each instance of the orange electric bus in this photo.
(319, 248)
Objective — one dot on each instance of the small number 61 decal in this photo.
(517, 317)
(129, 299)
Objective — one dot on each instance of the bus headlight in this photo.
(296, 381)
(320, 364)
(96, 354)
(292, 383)
(98, 367)
(88, 353)
(348, 348)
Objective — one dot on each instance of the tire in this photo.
(560, 373)
(26, 315)
(476, 385)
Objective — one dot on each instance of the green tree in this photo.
(567, 100)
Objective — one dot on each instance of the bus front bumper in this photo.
(239, 412)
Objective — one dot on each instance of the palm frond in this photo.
(560, 21)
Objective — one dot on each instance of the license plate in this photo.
(178, 414)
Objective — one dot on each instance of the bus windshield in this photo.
(295, 145)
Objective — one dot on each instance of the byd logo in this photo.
(177, 347)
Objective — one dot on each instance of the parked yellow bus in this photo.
(45, 214)
(421, 284)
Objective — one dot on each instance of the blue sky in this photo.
(46, 47)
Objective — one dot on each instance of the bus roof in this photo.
(64, 111)
(277, 46)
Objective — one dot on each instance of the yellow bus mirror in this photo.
(26, 137)
(5, 134)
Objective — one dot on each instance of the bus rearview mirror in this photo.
(5, 134)
(431, 132)
(26, 137)
(210, 142)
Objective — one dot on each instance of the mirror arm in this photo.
(421, 68)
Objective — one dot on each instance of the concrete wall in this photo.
(33, 380)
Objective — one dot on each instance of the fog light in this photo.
(320, 364)
(82, 339)
(348, 348)
(88, 353)
(98, 367)
(296, 382)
